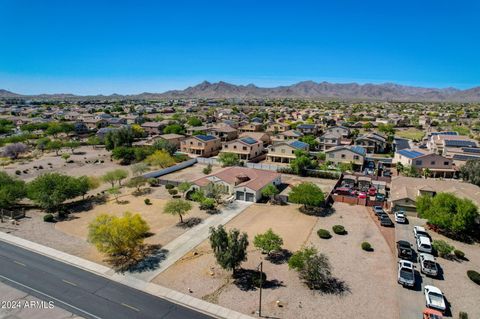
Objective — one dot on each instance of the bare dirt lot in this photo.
(79, 166)
(369, 276)
(190, 173)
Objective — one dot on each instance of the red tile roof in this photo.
(257, 179)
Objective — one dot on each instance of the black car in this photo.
(382, 215)
(386, 221)
(404, 250)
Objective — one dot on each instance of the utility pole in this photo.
(261, 284)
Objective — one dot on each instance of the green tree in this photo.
(125, 154)
(72, 145)
(137, 182)
(160, 159)
(230, 249)
(301, 163)
(470, 172)
(183, 187)
(307, 194)
(178, 207)
(110, 177)
(228, 159)
(194, 121)
(139, 169)
(55, 145)
(42, 144)
(174, 129)
(310, 140)
(118, 137)
(165, 145)
(115, 192)
(65, 156)
(12, 190)
(448, 212)
(93, 141)
(344, 167)
(120, 175)
(118, 236)
(268, 242)
(51, 190)
(270, 191)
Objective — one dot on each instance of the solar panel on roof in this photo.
(249, 140)
(299, 144)
(461, 157)
(475, 150)
(444, 133)
(359, 150)
(410, 153)
(460, 143)
(206, 137)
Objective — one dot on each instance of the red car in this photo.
(432, 314)
(362, 195)
(372, 191)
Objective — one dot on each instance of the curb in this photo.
(173, 296)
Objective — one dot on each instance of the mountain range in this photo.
(305, 90)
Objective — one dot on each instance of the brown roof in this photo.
(257, 179)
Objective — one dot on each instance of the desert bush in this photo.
(207, 170)
(48, 218)
(172, 191)
(366, 246)
(339, 230)
(462, 315)
(459, 254)
(18, 172)
(442, 247)
(323, 233)
(169, 186)
(147, 201)
(207, 204)
(474, 276)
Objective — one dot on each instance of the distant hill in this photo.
(306, 89)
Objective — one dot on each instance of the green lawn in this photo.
(411, 133)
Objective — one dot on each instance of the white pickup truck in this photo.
(434, 298)
(428, 266)
(406, 273)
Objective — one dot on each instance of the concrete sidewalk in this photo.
(178, 247)
(153, 289)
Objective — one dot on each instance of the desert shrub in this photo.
(442, 247)
(169, 186)
(462, 315)
(18, 172)
(339, 230)
(366, 246)
(207, 204)
(40, 167)
(147, 201)
(323, 233)
(474, 276)
(197, 196)
(152, 182)
(207, 170)
(459, 254)
(172, 191)
(48, 218)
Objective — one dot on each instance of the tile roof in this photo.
(257, 179)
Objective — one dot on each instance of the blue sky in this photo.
(90, 47)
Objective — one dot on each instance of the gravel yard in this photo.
(370, 277)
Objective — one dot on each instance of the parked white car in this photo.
(406, 273)
(424, 244)
(428, 265)
(400, 217)
(434, 298)
(420, 231)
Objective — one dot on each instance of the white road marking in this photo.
(69, 282)
(19, 263)
(131, 307)
(50, 297)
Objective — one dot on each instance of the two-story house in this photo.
(284, 152)
(201, 145)
(338, 130)
(246, 148)
(421, 160)
(275, 128)
(252, 127)
(346, 154)
(329, 140)
(372, 142)
(307, 129)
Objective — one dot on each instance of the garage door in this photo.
(250, 197)
(240, 195)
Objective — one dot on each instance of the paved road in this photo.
(82, 292)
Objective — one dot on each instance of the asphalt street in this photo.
(82, 292)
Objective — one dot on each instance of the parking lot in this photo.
(459, 292)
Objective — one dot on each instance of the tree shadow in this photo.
(249, 280)
(332, 286)
(142, 192)
(279, 257)
(317, 211)
(214, 211)
(145, 258)
(189, 222)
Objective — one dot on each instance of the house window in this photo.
(226, 146)
(273, 150)
(356, 157)
(199, 144)
(244, 148)
(343, 155)
(418, 162)
(235, 146)
(446, 163)
(432, 163)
